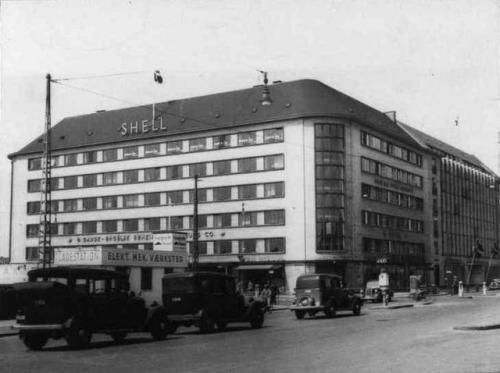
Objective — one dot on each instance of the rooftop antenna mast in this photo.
(45, 234)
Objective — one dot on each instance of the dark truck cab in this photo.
(323, 293)
(206, 300)
(75, 302)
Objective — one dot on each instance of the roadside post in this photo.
(460, 288)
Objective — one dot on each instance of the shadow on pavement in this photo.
(228, 329)
(111, 343)
(324, 317)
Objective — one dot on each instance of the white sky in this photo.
(431, 61)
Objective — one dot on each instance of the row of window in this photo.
(206, 221)
(268, 136)
(376, 219)
(394, 198)
(274, 245)
(175, 197)
(389, 172)
(216, 168)
(396, 151)
(389, 247)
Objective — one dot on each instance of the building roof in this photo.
(436, 144)
(291, 100)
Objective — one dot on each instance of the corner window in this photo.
(274, 245)
(274, 162)
(34, 164)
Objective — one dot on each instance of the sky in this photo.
(434, 62)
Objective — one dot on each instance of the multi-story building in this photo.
(313, 181)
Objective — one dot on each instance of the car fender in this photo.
(255, 305)
(155, 311)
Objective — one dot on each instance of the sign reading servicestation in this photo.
(170, 241)
(119, 257)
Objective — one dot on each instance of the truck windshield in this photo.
(308, 282)
(178, 285)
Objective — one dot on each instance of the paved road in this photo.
(399, 340)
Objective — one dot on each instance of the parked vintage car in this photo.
(494, 284)
(323, 293)
(373, 292)
(75, 302)
(206, 300)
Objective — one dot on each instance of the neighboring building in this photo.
(465, 210)
(316, 181)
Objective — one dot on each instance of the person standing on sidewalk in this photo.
(383, 284)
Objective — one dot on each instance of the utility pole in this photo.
(44, 235)
(196, 252)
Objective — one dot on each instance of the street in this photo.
(420, 338)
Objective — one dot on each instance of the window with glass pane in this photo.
(53, 206)
(222, 167)
(247, 165)
(146, 278)
(70, 182)
(32, 230)
(109, 226)
(130, 176)
(89, 227)
(109, 202)
(247, 138)
(152, 174)
(197, 144)
(274, 245)
(152, 224)
(70, 205)
(274, 162)
(199, 169)
(32, 253)
(33, 207)
(152, 199)
(34, 164)
(34, 185)
(174, 172)
(54, 183)
(90, 157)
(247, 218)
(150, 150)
(247, 191)
(69, 228)
(90, 203)
(131, 200)
(175, 197)
(130, 225)
(176, 222)
(174, 147)
(89, 180)
(202, 195)
(202, 247)
(130, 152)
(273, 135)
(222, 194)
(110, 155)
(274, 190)
(70, 159)
(109, 178)
(222, 220)
(248, 246)
(221, 142)
(274, 217)
(223, 247)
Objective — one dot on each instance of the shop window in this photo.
(110, 155)
(273, 135)
(274, 245)
(152, 174)
(146, 278)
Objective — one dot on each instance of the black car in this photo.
(206, 300)
(75, 302)
(323, 293)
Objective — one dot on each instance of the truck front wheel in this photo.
(35, 341)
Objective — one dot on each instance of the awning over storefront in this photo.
(250, 267)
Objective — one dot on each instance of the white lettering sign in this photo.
(142, 126)
(170, 241)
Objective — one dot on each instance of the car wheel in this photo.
(118, 337)
(257, 319)
(300, 314)
(356, 308)
(159, 327)
(330, 310)
(221, 325)
(78, 336)
(35, 341)
(207, 324)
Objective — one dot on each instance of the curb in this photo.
(391, 307)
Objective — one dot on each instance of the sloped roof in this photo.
(291, 100)
(435, 143)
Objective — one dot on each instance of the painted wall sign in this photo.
(142, 126)
(104, 239)
(119, 257)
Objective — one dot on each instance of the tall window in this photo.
(329, 149)
(109, 178)
(146, 278)
(131, 200)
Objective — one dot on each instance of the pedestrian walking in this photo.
(265, 294)
(274, 294)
